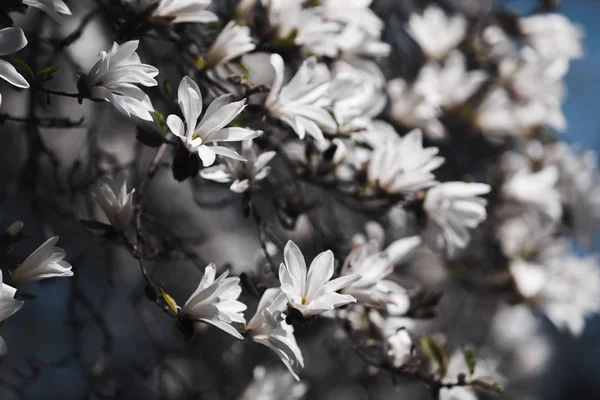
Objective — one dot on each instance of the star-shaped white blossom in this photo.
(215, 302)
(177, 11)
(403, 165)
(114, 76)
(311, 292)
(116, 201)
(233, 41)
(453, 208)
(435, 32)
(211, 128)
(8, 306)
(54, 8)
(301, 103)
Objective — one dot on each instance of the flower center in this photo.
(304, 301)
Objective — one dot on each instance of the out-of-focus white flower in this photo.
(114, 76)
(436, 33)
(233, 41)
(500, 45)
(356, 13)
(115, 201)
(268, 327)
(11, 40)
(536, 189)
(355, 93)
(274, 385)
(453, 208)
(399, 348)
(404, 166)
(578, 186)
(8, 306)
(177, 11)
(495, 116)
(354, 42)
(449, 84)
(552, 35)
(312, 292)
(45, 262)
(566, 287)
(54, 8)
(373, 266)
(410, 107)
(242, 174)
(215, 302)
(211, 128)
(301, 103)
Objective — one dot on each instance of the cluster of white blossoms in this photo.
(298, 102)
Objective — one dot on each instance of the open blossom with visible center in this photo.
(373, 266)
(215, 302)
(177, 11)
(312, 292)
(11, 40)
(449, 84)
(399, 348)
(536, 189)
(437, 33)
(114, 76)
(404, 166)
(8, 306)
(211, 128)
(45, 262)
(242, 174)
(453, 208)
(233, 41)
(274, 384)
(115, 201)
(552, 35)
(301, 103)
(268, 327)
(54, 8)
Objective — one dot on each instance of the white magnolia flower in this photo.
(565, 286)
(115, 201)
(449, 84)
(45, 262)
(8, 306)
(54, 8)
(316, 35)
(536, 189)
(274, 385)
(177, 11)
(233, 41)
(211, 128)
(114, 76)
(579, 187)
(373, 266)
(215, 302)
(399, 348)
(356, 13)
(411, 107)
(268, 327)
(312, 292)
(404, 166)
(11, 40)
(436, 33)
(242, 174)
(356, 93)
(496, 116)
(354, 42)
(301, 103)
(552, 35)
(453, 208)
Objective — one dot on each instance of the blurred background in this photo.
(96, 335)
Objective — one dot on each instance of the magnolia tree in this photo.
(329, 199)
